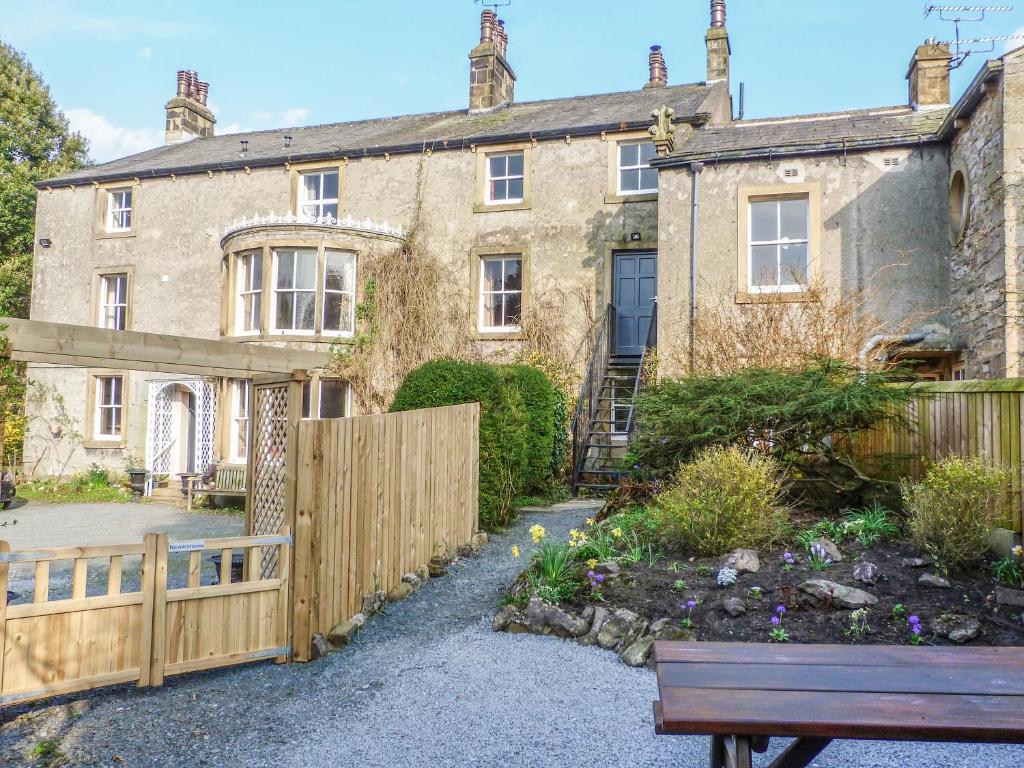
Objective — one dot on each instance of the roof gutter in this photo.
(794, 150)
(241, 164)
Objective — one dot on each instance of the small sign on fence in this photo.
(186, 546)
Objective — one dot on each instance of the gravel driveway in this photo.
(426, 684)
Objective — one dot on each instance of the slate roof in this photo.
(810, 134)
(551, 118)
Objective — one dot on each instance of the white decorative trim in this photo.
(289, 219)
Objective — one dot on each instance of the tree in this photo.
(36, 143)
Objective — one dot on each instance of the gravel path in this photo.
(426, 684)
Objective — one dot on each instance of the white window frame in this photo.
(244, 288)
(119, 210)
(488, 178)
(240, 394)
(778, 243)
(105, 308)
(640, 167)
(275, 257)
(302, 202)
(350, 293)
(99, 406)
(485, 292)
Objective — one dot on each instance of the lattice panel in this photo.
(158, 432)
(270, 444)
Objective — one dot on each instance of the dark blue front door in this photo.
(634, 289)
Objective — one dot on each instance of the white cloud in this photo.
(285, 118)
(146, 53)
(108, 141)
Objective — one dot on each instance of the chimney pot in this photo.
(202, 89)
(488, 19)
(717, 13)
(182, 82)
(187, 115)
(502, 38)
(658, 68)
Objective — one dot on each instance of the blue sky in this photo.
(111, 66)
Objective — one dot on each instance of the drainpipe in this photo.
(881, 338)
(695, 169)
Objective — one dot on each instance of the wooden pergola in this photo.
(81, 346)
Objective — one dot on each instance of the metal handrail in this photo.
(596, 370)
(650, 343)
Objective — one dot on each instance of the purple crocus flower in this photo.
(776, 620)
(780, 609)
(788, 557)
(913, 619)
(691, 604)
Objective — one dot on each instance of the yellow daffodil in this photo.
(574, 534)
(1018, 550)
(537, 532)
(617, 533)
(590, 521)
(515, 551)
(592, 563)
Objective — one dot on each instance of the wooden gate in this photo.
(149, 631)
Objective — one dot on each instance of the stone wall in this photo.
(882, 230)
(977, 269)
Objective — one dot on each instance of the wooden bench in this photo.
(228, 480)
(741, 694)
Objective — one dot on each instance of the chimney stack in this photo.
(658, 68)
(717, 41)
(187, 114)
(928, 75)
(491, 80)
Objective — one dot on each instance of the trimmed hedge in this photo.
(502, 425)
(540, 401)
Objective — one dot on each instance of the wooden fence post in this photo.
(302, 586)
(284, 603)
(4, 569)
(159, 614)
(146, 585)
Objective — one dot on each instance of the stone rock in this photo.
(866, 573)
(734, 606)
(674, 632)
(621, 630)
(545, 619)
(915, 562)
(637, 653)
(956, 627)
(320, 647)
(413, 579)
(504, 617)
(743, 561)
(423, 572)
(400, 591)
(1006, 596)
(659, 625)
(437, 567)
(838, 594)
(610, 568)
(934, 580)
(588, 614)
(343, 633)
(479, 538)
(374, 603)
(465, 550)
(597, 622)
(831, 550)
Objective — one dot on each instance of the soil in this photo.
(651, 591)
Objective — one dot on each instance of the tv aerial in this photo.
(960, 47)
(493, 3)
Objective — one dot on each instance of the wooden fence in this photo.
(52, 647)
(378, 497)
(965, 418)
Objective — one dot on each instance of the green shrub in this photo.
(503, 425)
(539, 400)
(795, 413)
(725, 498)
(952, 510)
(551, 572)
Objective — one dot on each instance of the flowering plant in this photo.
(788, 561)
(577, 538)
(915, 629)
(1010, 570)
(819, 559)
(727, 577)
(537, 532)
(858, 623)
(778, 634)
(596, 580)
(688, 607)
(515, 551)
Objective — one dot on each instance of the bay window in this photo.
(339, 292)
(250, 292)
(295, 290)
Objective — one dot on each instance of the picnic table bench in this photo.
(228, 480)
(741, 694)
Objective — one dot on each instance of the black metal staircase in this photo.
(603, 419)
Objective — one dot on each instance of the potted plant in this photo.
(135, 468)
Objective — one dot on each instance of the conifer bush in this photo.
(540, 401)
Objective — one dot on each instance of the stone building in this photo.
(577, 203)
